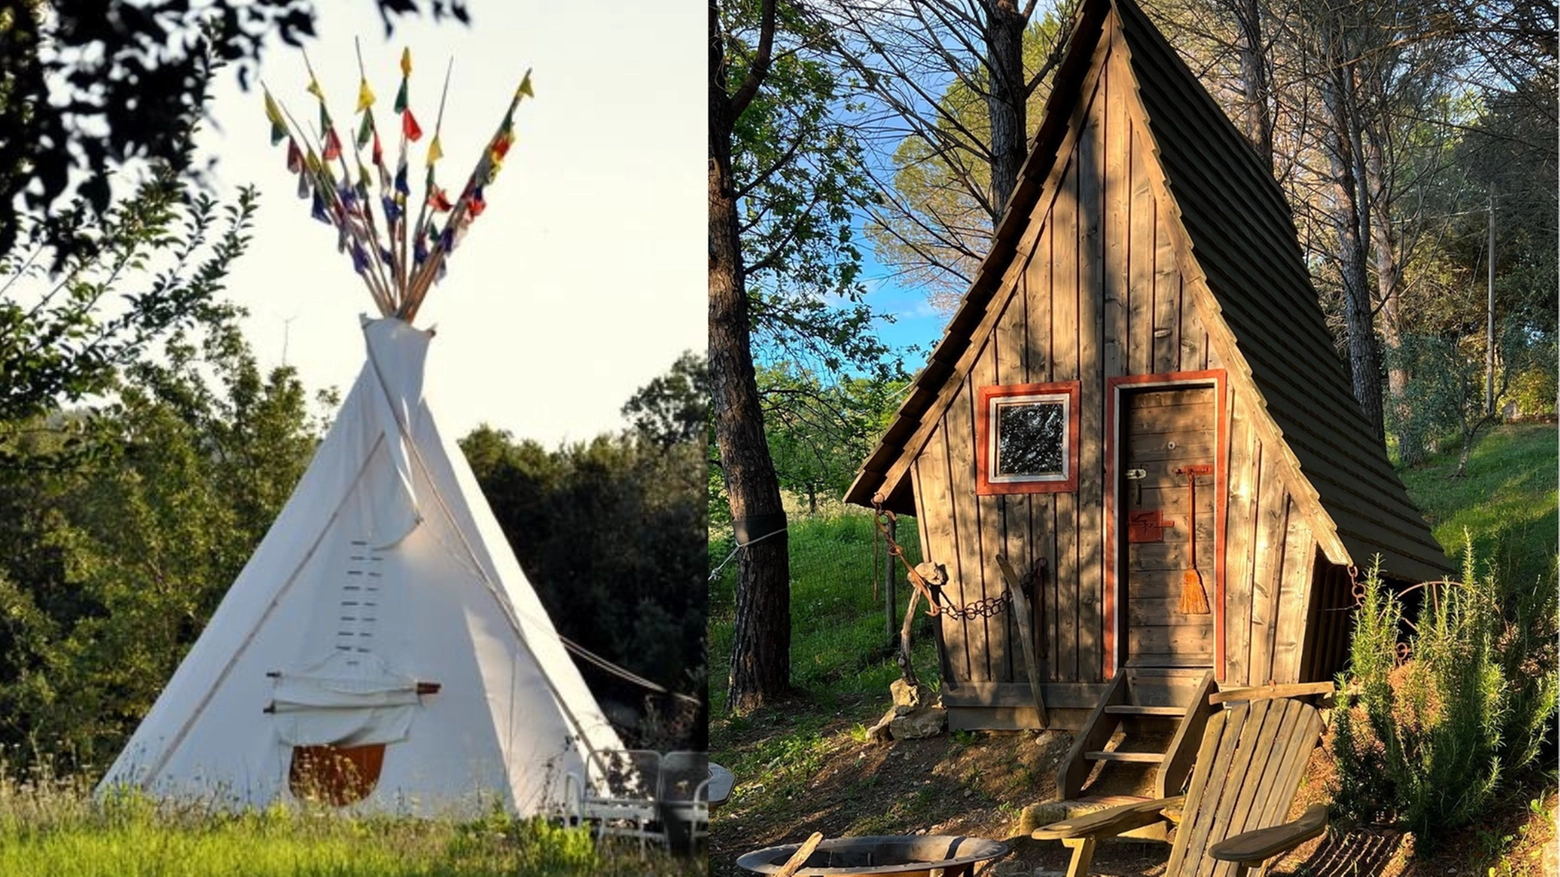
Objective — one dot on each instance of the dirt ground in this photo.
(977, 784)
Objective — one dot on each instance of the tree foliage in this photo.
(88, 91)
(155, 268)
(940, 203)
(799, 175)
(112, 565)
(611, 533)
(821, 430)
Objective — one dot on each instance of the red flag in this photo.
(409, 126)
(332, 149)
(440, 201)
(379, 153)
(294, 156)
(501, 145)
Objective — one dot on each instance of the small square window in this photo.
(1027, 438)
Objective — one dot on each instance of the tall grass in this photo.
(50, 827)
(840, 643)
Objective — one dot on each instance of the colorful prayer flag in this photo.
(400, 98)
(409, 126)
(332, 148)
(365, 95)
(435, 151)
(406, 61)
(314, 87)
(272, 111)
(294, 156)
(525, 87)
(439, 201)
(365, 130)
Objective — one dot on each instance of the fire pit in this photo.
(910, 855)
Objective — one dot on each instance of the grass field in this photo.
(52, 828)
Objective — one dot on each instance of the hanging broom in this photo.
(1194, 597)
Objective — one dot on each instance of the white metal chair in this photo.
(683, 793)
(619, 796)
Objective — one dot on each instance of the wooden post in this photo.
(888, 582)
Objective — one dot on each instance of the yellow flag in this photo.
(435, 151)
(273, 113)
(314, 88)
(365, 95)
(406, 62)
(525, 87)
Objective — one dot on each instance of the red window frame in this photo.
(984, 431)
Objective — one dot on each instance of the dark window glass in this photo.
(1030, 437)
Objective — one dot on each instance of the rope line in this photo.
(741, 545)
(615, 670)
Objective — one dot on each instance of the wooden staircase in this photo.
(1140, 706)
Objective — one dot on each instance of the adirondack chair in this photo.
(1231, 819)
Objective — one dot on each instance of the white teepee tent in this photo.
(382, 648)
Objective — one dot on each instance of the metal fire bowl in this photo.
(925, 855)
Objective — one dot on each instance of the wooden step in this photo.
(1134, 757)
(1133, 709)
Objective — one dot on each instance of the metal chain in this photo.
(982, 608)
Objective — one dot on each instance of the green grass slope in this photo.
(1506, 502)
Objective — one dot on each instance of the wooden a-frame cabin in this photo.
(1144, 321)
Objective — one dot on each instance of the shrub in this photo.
(1439, 722)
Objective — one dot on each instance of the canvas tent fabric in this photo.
(385, 569)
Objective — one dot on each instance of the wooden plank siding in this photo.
(1093, 293)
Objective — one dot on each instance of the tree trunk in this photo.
(1257, 119)
(761, 648)
(1351, 218)
(1007, 102)
(1384, 241)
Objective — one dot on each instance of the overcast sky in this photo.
(585, 277)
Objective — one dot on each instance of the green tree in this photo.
(155, 268)
(612, 535)
(114, 564)
(785, 179)
(88, 91)
(820, 431)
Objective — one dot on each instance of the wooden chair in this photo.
(1231, 819)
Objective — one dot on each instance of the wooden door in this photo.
(1165, 434)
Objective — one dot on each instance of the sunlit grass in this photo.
(52, 828)
(1506, 501)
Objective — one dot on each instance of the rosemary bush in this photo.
(1441, 721)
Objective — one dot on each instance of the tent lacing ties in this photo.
(715, 574)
